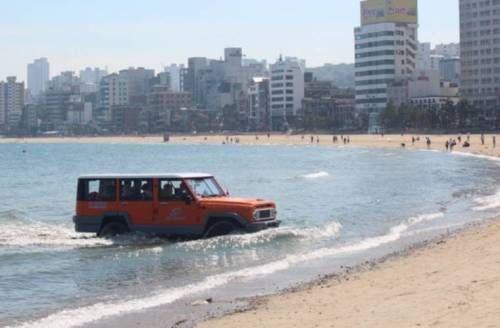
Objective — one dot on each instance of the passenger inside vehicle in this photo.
(147, 190)
(126, 191)
(167, 192)
(108, 190)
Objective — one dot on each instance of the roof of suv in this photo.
(146, 176)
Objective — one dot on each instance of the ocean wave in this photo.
(92, 313)
(487, 202)
(316, 175)
(264, 237)
(491, 158)
(16, 231)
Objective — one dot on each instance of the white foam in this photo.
(92, 313)
(265, 236)
(316, 175)
(24, 233)
(152, 250)
(491, 158)
(487, 202)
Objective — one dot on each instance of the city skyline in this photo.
(124, 34)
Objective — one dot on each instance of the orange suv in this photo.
(172, 205)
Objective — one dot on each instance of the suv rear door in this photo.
(136, 199)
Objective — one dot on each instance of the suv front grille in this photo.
(265, 214)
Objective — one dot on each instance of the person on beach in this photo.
(317, 140)
(482, 139)
(453, 144)
(429, 142)
(312, 139)
(413, 141)
(447, 145)
(494, 141)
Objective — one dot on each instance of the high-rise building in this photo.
(163, 102)
(424, 56)
(65, 81)
(113, 91)
(138, 81)
(57, 103)
(38, 76)
(92, 75)
(386, 47)
(447, 50)
(450, 70)
(175, 72)
(480, 52)
(287, 90)
(11, 103)
(259, 114)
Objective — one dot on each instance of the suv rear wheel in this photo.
(221, 228)
(113, 229)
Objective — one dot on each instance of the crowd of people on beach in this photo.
(450, 144)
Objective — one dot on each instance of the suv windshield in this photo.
(205, 187)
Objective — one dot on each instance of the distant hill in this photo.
(342, 75)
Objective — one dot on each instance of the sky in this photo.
(74, 34)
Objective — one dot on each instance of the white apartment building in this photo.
(424, 56)
(38, 76)
(286, 90)
(113, 91)
(386, 53)
(447, 50)
(11, 102)
(175, 76)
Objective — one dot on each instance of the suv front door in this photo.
(176, 208)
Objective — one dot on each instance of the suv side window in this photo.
(102, 190)
(136, 189)
(172, 190)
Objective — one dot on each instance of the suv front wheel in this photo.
(221, 228)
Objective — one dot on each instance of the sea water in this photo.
(335, 204)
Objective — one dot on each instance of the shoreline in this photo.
(377, 294)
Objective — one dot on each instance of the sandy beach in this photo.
(370, 141)
(454, 282)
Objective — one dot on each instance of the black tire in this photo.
(113, 229)
(221, 228)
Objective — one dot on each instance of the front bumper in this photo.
(258, 226)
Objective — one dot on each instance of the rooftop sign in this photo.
(383, 11)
